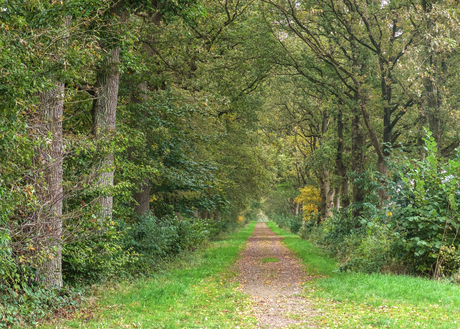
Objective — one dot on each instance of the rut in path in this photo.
(275, 287)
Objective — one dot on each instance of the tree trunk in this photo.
(327, 195)
(142, 197)
(432, 99)
(51, 110)
(325, 183)
(336, 198)
(341, 169)
(357, 162)
(142, 192)
(432, 102)
(104, 122)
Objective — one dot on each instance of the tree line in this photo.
(125, 124)
(126, 136)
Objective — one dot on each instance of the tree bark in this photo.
(142, 197)
(50, 225)
(341, 169)
(357, 161)
(142, 193)
(336, 198)
(104, 122)
(327, 195)
(432, 99)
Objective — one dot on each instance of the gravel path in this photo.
(275, 287)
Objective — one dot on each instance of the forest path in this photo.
(271, 274)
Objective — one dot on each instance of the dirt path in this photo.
(275, 287)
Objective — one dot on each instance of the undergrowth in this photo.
(192, 291)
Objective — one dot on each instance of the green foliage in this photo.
(95, 257)
(417, 229)
(293, 223)
(23, 302)
(426, 212)
(155, 239)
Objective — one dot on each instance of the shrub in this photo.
(426, 210)
(293, 223)
(95, 257)
(24, 301)
(154, 239)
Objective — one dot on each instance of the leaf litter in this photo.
(276, 288)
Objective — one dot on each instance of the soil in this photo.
(275, 287)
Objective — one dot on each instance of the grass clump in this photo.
(358, 300)
(194, 291)
(270, 260)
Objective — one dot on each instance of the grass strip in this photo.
(270, 260)
(198, 292)
(357, 300)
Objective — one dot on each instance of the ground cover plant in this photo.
(196, 290)
(358, 300)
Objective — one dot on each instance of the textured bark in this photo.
(432, 99)
(51, 194)
(357, 161)
(325, 193)
(105, 110)
(433, 102)
(142, 198)
(341, 169)
(336, 198)
(142, 194)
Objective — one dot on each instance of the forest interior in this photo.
(229, 163)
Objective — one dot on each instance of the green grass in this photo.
(356, 300)
(191, 293)
(270, 260)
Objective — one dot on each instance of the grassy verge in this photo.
(354, 300)
(196, 292)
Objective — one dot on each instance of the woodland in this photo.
(133, 131)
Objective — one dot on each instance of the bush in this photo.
(154, 239)
(293, 223)
(95, 257)
(23, 301)
(426, 211)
